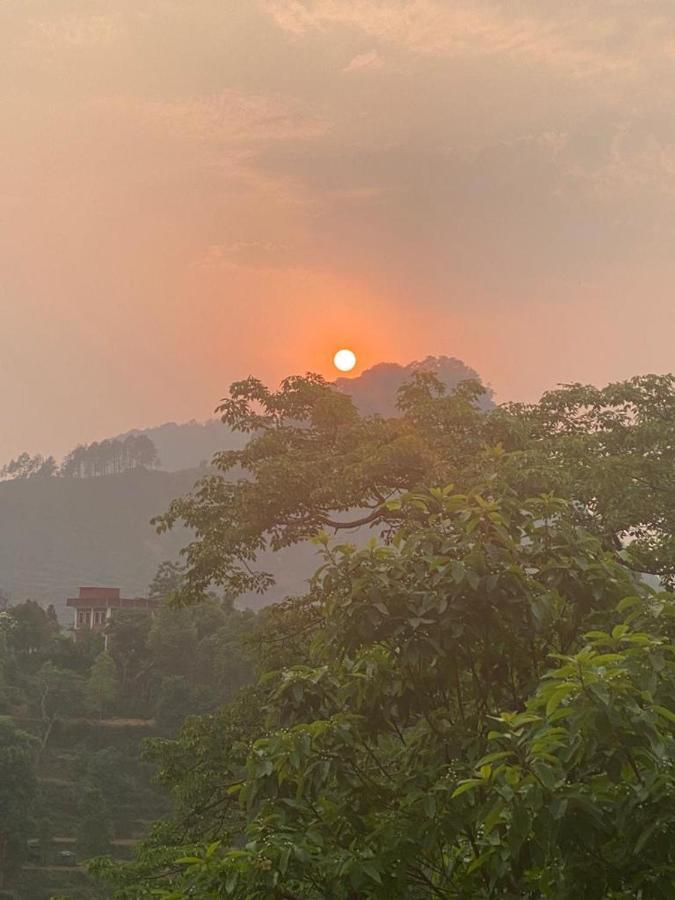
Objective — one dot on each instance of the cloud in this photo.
(231, 116)
(369, 60)
(75, 31)
(171, 163)
(562, 36)
(244, 254)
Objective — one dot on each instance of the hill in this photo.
(59, 533)
(374, 390)
(189, 444)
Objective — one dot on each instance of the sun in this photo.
(344, 360)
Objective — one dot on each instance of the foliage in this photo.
(110, 457)
(175, 702)
(385, 763)
(311, 457)
(95, 825)
(17, 789)
(32, 628)
(173, 641)
(612, 451)
(82, 776)
(87, 460)
(312, 461)
(27, 466)
(57, 694)
(479, 703)
(102, 688)
(128, 634)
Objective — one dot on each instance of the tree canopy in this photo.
(480, 700)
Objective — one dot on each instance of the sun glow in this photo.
(344, 360)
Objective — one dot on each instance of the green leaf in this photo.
(597, 635)
(479, 861)
(604, 659)
(468, 785)
(627, 602)
(665, 713)
(493, 816)
(646, 834)
(372, 872)
(558, 695)
(493, 757)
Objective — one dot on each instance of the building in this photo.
(95, 606)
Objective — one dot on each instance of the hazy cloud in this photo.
(368, 60)
(250, 182)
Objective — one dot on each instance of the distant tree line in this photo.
(27, 466)
(109, 457)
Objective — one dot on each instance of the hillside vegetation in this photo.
(478, 703)
(58, 531)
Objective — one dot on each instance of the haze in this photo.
(192, 192)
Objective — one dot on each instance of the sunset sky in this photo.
(197, 190)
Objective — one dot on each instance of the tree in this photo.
(386, 764)
(312, 458)
(110, 457)
(94, 832)
(27, 466)
(141, 451)
(313, 463)
(175, 702)
(33, 628)
(79, 656)
(102, 688)
(173, 641)
(17, 790)
(612, 451)
(128, 633)
(57, 695)
(479, 703)
(167, 581)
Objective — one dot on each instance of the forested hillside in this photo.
(59, 533)
(186, 445)
(480, 702)
(375, 389)
(74, 719)
(75, 524)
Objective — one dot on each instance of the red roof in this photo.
(99, 593)
(108, 597)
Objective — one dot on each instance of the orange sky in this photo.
(195, 192)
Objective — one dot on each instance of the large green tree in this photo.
(311, 457)
(480, 702)
(312, 463)
(610, 450)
